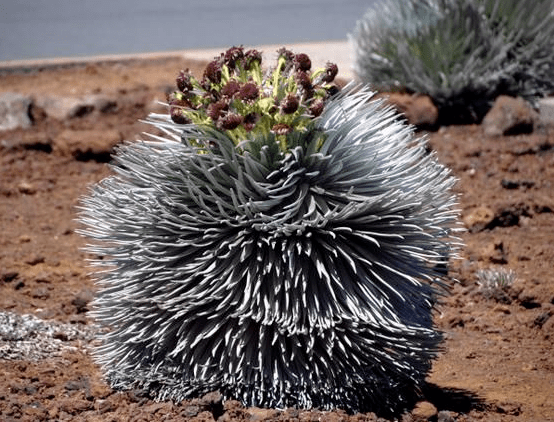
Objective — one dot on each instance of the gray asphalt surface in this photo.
(38, 29)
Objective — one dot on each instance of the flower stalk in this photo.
(237, 96)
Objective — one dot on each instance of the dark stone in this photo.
(515, 184)
(541, 319)
(9, 276)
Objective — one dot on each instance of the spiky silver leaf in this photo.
(304, 278)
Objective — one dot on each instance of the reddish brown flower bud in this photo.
(230, 121)
(213, 72)
(250, 57)
(179, 100)
(281, 129)
(302, 62)
(303, 80)
(178, 116)
(289, 57)
(331, 71)
(230, 89)
(217, 109)
(283, 52)
(232, 56)
(250, 121)
(317, 108)
(184, 81)
(249, 92)
(289, 104)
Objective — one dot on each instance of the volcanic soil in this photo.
(497, 363)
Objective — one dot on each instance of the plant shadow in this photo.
(453, 399)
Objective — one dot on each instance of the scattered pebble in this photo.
(424, 410)
(478, 218)
(35, 260)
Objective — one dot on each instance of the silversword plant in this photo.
(495, 282)
(462, 53)
(281, 242)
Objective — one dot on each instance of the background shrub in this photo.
(462, 53)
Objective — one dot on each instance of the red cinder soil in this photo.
(498, 362)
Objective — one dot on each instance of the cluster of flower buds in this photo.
(235, 95)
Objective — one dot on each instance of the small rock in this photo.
(424, 410)
(60, 335)
(87, 144)
(43, 277)
(28, 140)
(333, 416)
(419, 110)
(204, 417)
(502, 308)
(8, 276)
(509, 408)
(191, 411)
(446, 416)
(40, 293)
(30, 390)
(104, 406)
(509, 116)
(14, 111)
(75, 406)
(75, 385)
(53, 412)
(78, 319)
(35, 411)
(497, 253)
(35, 260)
(541, 319)
(62, 108)
(24, 238)
(508, 216)
(258, 414)
(104, 104)
(548, 328)
(211, 399)
(515, 184)
(26, 188)
(82, 300)
(231, 405)
(478, 218)
(212, 402)
(99, 389)
(158, 407)
(528, 301)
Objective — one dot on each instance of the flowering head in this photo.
(236, 96)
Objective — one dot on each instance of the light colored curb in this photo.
(338, 52)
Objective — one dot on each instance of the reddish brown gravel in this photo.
(497, 364)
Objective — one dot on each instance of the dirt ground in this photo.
(497, 365)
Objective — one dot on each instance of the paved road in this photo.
(33, 29)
